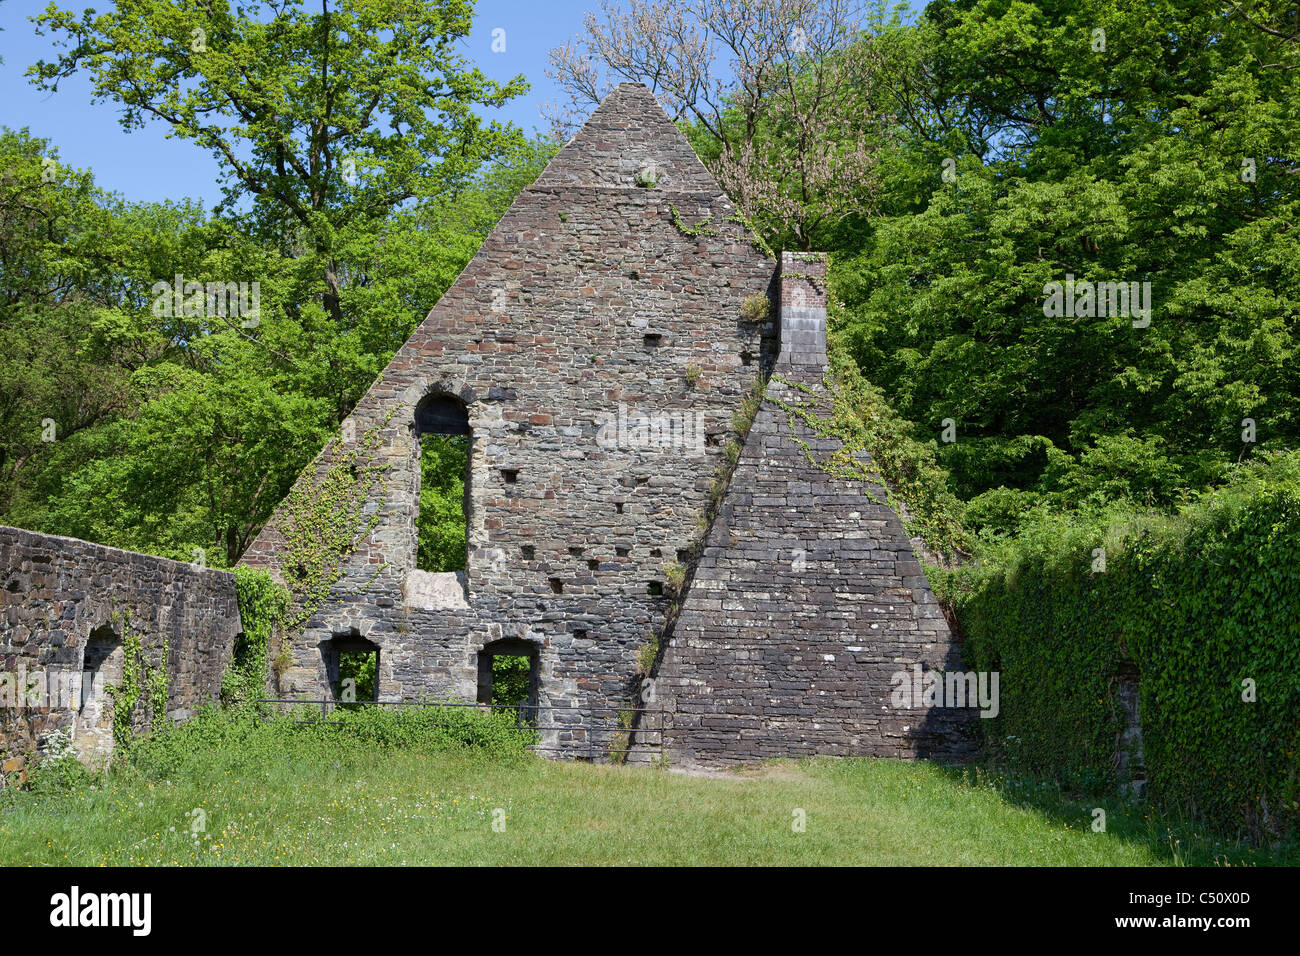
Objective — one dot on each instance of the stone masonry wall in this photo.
(56, 591)
(808, 596)
(599, 348)
(599, 302)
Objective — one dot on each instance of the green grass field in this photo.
(358, 803)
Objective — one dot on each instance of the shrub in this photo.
(58, 770)
(262, 606)
(755, 308)
(244, 738)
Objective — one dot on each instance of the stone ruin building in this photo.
(597, 352)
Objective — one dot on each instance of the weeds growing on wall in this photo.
(325, 519)
(700, 229)
(678, 574)
(126, 694)
(855, 412)
(58, 769)
(140, 681)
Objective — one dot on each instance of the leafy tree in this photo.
(1030, 147)
(362, 669)
(177, 434)
(777, 93)
(75, 271)
(179, 431)
(511, 681)
(326, 122)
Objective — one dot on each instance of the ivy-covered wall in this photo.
(1206, 605)
(808, 599)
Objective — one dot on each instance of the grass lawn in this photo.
(377, 805)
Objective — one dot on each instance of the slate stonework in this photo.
(588, 305)
(598, 351)
(808, 597)
(57, 591)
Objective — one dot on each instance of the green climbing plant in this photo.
(755, 238)
(127, 693)
(1201, 602)
(325, 520)
(263, 605)
(157, 685)
(140, 682)
(875, 447)
(677, 574)
(701, 228)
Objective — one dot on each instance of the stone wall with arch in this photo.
(63, 599)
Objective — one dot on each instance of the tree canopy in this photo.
(1007, 149)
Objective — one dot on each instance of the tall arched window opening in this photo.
(442, 526)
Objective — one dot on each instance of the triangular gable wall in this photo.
(590, 307)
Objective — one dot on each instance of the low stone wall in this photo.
(65, 605)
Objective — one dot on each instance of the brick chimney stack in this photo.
(803, 315)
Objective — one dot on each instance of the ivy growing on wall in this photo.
(1202, 602)
(262, 607)
(139, 682)
(326, 518)
(755, 238)
(157, 685)
(703, 229)
(875, 447)
(127, 694)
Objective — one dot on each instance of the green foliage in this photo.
(755, 308)
(262, 606)
(319, 160)
(58, 770)
(127, 694)
(674, 579)
(324, 520)
(1122, 164)
(856, 413)
(141, 681)
(240, 740)
(701, 228)
(362, 670)
(178, 435)
(440, 527)
(751, 232)
(510, 680)
(1201, 602)
(647, 654)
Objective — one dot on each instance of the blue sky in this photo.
(144, 165)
